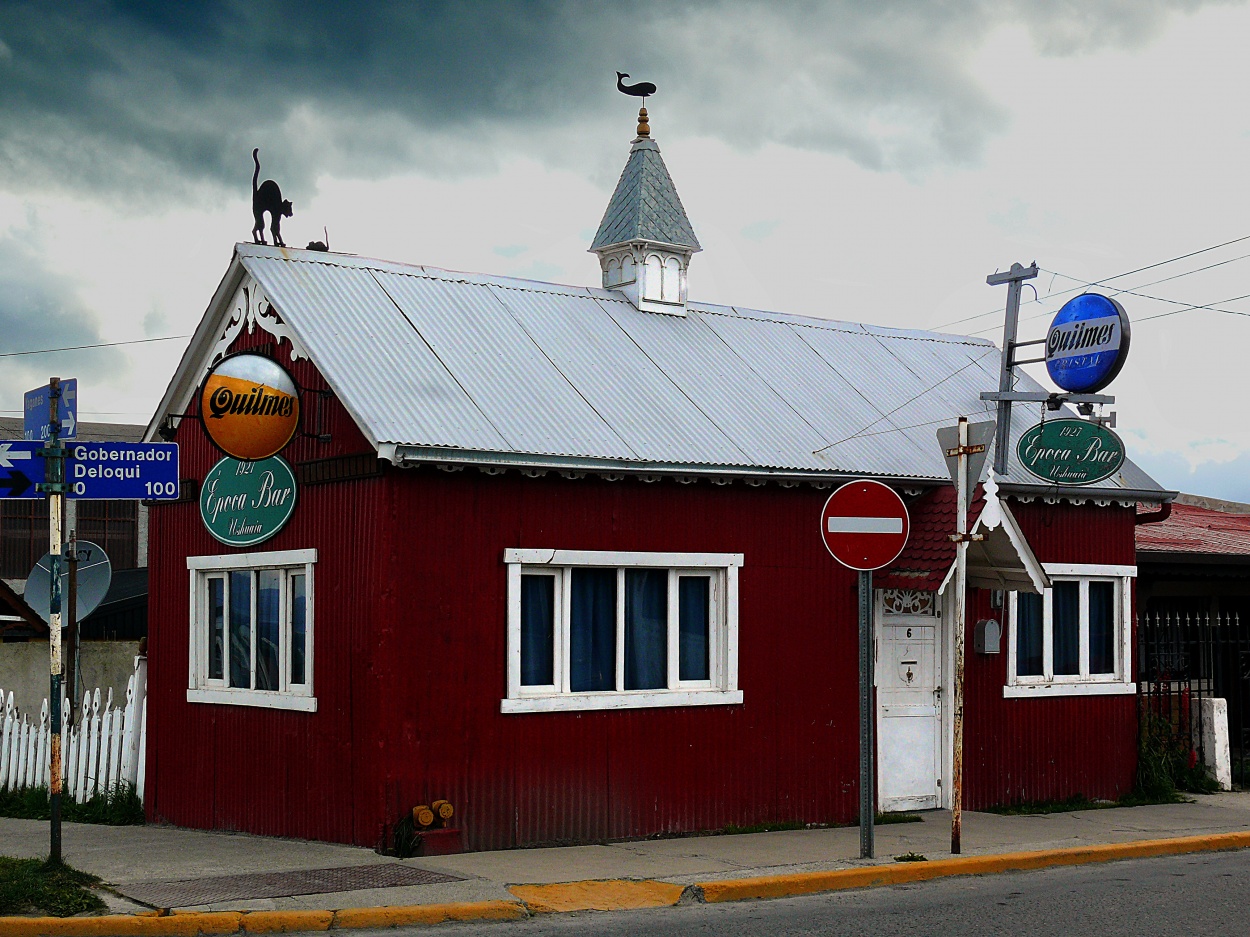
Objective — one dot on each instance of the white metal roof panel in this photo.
(518, 369)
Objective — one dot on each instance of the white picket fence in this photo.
(105, 747)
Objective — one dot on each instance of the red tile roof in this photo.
(1197, 530)
(929, 553)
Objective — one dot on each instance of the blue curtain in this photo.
(646, 629)
(1067, 627)
(592, 627)
(538, 630)
(1102, 627)
(299, 629)
(241, 630)
(1028, 634)
(268, 600)
(692, 616)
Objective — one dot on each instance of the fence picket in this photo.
(101, 748)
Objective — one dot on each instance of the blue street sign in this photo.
(20, 469)
(122, 471)
(36, 424)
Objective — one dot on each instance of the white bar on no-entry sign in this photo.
(865, 525)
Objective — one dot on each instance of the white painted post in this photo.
(41, 748)
(6, 732)
(143, 748)
(93, 757)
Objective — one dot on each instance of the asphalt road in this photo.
(1187, 896)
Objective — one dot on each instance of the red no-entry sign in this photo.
(864, 525)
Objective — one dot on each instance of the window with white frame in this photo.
(1075, 637)
(608, 630)
(252, 629)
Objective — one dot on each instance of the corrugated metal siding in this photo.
(267, 771)
(1049, 749)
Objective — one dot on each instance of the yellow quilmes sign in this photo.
(250, 406)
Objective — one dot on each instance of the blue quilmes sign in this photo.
(1087, 343)
(122, 471)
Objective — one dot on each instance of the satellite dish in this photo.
(95, 572)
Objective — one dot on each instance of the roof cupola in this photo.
(645, 240)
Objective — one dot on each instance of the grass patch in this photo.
(1032, 807)
(911, 857)
(32, 886)
(733, 829)
(884, 819)
(119, 806)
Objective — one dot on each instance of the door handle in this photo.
(937, 691)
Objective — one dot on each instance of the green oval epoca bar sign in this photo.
(244, 503)
(1071, 452)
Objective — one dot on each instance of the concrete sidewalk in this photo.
(153, 860)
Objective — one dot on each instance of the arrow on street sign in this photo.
(20, 469)
(8, 454)
(37, 423)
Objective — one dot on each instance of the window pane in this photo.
(538, 630)
(592, 627)
(693, 594)
(646, 629)
(299, 629)
(216, 627)
(1067, 627)
(1028, 634)
(241, 630)
(268, 601)
(1102, 627)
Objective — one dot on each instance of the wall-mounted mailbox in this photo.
(987, 636)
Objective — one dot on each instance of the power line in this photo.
(860, 433)
(133, 341)
(1117, 276)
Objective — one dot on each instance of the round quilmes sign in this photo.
(1071, 452)
(1087, 343)
(243, 503)
(250, 406)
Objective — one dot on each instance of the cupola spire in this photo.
(645, 241)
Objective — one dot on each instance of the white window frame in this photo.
(202, 689)
(1084, 683)
(720, 689)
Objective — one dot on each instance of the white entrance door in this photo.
(909, 705)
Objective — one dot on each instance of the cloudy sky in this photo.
(870, 161)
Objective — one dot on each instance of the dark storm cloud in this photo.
(39, 309)
(145, 101)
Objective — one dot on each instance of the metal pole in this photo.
(867, 749)
(73, 666)
(54, 460)
(961, 588)
(1006, 372)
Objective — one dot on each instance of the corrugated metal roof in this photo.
(516, 370)
(645, 205)
(1197, 530)
(12, 427)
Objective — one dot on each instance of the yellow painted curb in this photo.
(806, 883)
(429, 914)
(285, 922)
(193, 923)
(610, 895)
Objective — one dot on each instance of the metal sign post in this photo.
(1006, 373)
(54, 459)
(960, 456)
(865, 525)
(867, 743)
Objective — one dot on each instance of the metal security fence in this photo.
(1183, 658)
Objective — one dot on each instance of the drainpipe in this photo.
(1155, 517)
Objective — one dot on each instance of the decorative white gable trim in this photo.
(251, 308)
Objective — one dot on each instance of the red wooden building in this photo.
(555, 558)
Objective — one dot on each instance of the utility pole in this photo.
(1013, 278)
(54, 458)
